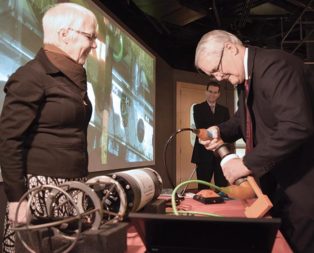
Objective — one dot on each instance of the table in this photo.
(230, 208)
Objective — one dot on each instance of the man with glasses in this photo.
(43, 124)
(274, 92)
(206, 114)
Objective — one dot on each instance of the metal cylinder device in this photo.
(140, 185)
(126, 191)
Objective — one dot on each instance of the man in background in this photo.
(206, 114)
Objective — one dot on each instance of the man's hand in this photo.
(23, 213)
(234, 169)
(213, 143)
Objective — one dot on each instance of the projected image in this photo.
(121, 83)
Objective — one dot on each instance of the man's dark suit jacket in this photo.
(204, 118)
(280, 102)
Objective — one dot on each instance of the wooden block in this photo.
(259, 207)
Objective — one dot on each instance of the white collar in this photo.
(246, 53)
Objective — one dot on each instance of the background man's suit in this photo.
(206, 162)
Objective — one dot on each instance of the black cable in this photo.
(165, 151)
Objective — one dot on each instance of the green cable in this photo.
(173, 195)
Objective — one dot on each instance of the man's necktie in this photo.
(212, 108)
(248, 121)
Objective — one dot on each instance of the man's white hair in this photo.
(212, 43)
(65, 15)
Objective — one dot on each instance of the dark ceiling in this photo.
(172, 28)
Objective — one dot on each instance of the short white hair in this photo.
(212, 43)
(64, 15)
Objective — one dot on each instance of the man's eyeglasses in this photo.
(219, 66)
(89, 36)
(218, 69)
